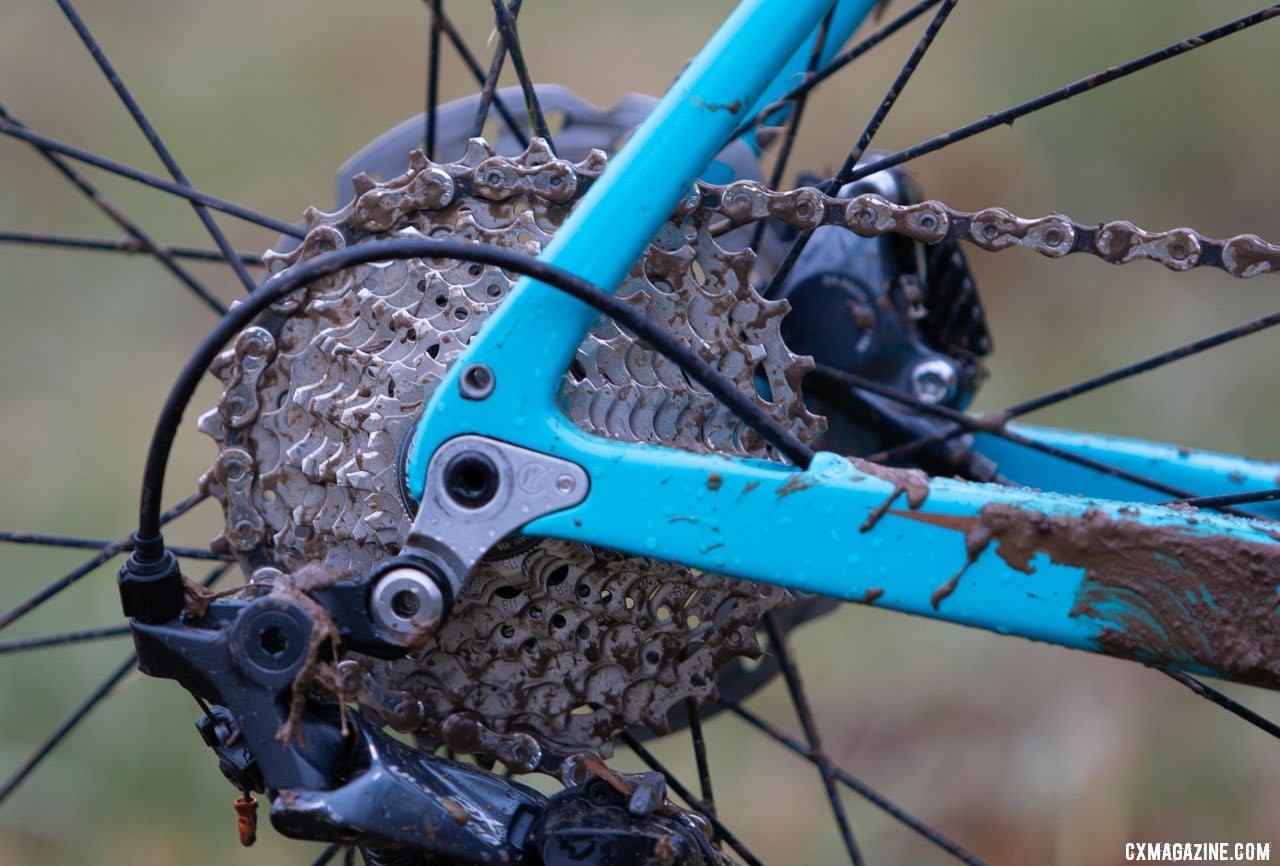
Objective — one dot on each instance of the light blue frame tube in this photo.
(1194, 591)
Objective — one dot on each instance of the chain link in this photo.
(994, 229)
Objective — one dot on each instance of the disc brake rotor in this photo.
(566, 642)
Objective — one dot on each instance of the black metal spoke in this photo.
(81, 543)
(326, 856)
(837, 63)
(134, 233)
(858, 786)
(844, 175)
(1233, 499)
(891, 97)
(507, 27)
(793, 122)
(469, 60)
(1217, 697)
(685, 794)
(128, 244)
(153, 137)
(844, 381)
(66, 727)
(72, 721)
(48, 640)
(905, 450)
(795, 688)
(491, 79)
(110, 551)
(45, 142)
(700, 755)
(433, 78)
(1089, 82)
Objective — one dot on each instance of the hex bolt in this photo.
(471, 480)
(407, 601)
(933, 381)
(476, 382)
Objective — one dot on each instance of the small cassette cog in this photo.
(568, 643)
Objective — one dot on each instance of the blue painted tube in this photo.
(1204, 473)
(530, 340)
(1072, 571)
(849, 15)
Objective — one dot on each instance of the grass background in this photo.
(1025, 753)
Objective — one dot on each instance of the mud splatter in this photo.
(872, 595)
(1166, 594)
(912, 482)
(976, 539)
(714, 481)
(797, 482)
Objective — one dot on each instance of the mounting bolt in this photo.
(407, 601)
(471, 479)
(933, 381)
(476, 382)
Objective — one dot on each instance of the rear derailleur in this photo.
(333, 776)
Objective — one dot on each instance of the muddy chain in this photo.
(869, 215)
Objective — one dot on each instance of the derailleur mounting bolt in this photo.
(408, 601)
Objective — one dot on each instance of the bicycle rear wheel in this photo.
(80, 345)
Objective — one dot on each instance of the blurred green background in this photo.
(1027, 754)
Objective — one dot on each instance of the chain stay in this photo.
(994, 229)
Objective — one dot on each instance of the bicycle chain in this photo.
(993, 229)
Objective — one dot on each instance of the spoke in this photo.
(685, 794)
(858, 786)
(117, 216)
(433, 79)
(1223, 701)
(62, 639)
(110, 551)
(895, 90)
(844, 382)
(128, 244)
(81, 543)
(700, 755)
(15, 130)
(72, 721)
(157, 144)
(491, 80)
(793, 122)
(844, 175)
(901, 452)
(326, 856)
(469, 59)
(1233, 499)
(1009, 115)
(837, 63)
(68, 725)
(795, 687)
(507, 27)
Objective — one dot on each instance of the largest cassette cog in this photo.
(566, 642)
